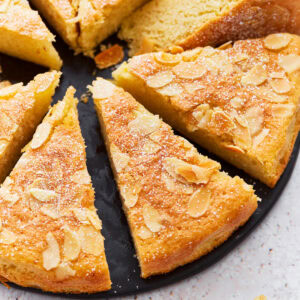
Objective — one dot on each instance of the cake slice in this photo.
(161, 24)
(240, 103)
(21, 109)
(178, 204)
(86, 23)
(50, 232)
(24, 35)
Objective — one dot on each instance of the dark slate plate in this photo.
(79, 71)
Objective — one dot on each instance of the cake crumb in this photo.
(84, 98)
(109, 57)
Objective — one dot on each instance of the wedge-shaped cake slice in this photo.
(161, 24)
(240, 103)
(178, 204)
(24, 35)
(50, 231)
(21, 110)
(84, 24)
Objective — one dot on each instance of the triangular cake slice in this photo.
(24, 35)
(178, 204)
(21, 110)
(240, 102)
(50, 232)
(86, 23)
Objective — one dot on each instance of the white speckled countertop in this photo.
(267, 262)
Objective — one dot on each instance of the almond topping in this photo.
(256, 76)
(174, 186)
(240, 57)
(120, 159)
(7, 196)
(152, 218)
(91, 240)
(191, 55)
(41, 135)
(167, 58)
(81, 177)
(290, 63)
(109, 57)
(7, 237)
(280, 85)
(81, 215)
(260, 137)
(199, 202)
(242, 137)
(64, 271)
(94, 219)
(283, 110)
(255, 118)
(51, 256)
(50, 212)
(71, 244)
(144, 124)
(234, 148)
(172, 89)
(151, 147)
(236, 102)
(42, 195)
(131, 194)
(277, 75)
(144, 233)
(189, 70)
(160, 79)
(277, 41)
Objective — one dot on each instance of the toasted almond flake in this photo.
(203, 115)
(81, 177)
(3, 145)
(7, 237)
(283, 111)
(130, 193)
(260, 137)
(144, 233)
(290, 63)
(221, 63)
(256, 76)
(91, 240)
(42, 195)
(41, 135)
(277, 75)
(189, 70)
(102, 89)
(50, 212)
(176, 49)
(225, 46)
(10, 91)
(208, 51)
(120, 159)
(191, 55)
(144, 124)
(277, 41)
(280, 85)
(167, 58)
(242, 137)
(109, 57)
(199, 202)
(72, 245)
(94, 219)
(267, 94)
(172, 89)
(51, 256)
(191, 87)
(240, 57)
(234, 148)
(156, 136)
(174, 186)
(64, 271)
(152, 218)
(236, 102)
(150, 147)
(255, 117)
(81, 215)
(160, 79)
(8, 196)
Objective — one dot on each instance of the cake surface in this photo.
(240, 103)
(161, 24)
(24, 35)
(178, 204)
(50, 232)
(84, 24)
(22, 109)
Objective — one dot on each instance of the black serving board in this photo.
(80, 71)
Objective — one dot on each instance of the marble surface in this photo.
(267, 262)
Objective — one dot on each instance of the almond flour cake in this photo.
(240, 102)
(24, 35)
(22, 109)
(83, 24)
(50, 232)
(178, 204)
(161, 24)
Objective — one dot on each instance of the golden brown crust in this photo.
(233, 101)
(178, 204)
(50, 232)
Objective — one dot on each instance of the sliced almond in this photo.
(81, 215)
(174, 186)
(277, 41)
(51, 256)
(42, 195)
(64, 271)
(167, 58)
(120, 159)
(41, 135)
(50, 212)
(150, 147)
(172, 89)
(8, 196)
(160, 79)
(191, 55)
(208, 51)
(199, 202)
(235, 149)
(240, 57)
(225, 46)
(189, 70)
(94, 219)
(280, 85)
(277, 75)
(91, 240)
(152, 218)
(283, 111)
(290, 63)
(7, 237)
(200, 111)
(242, 137)
(260, 137)
(193, 86)
(130, 194)
(267, 94)
(255, 118)
(237, 102)
(103, 90)
(72, 245)
(144, 124)
(256, 76)
(81, 177)
(144, 233)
